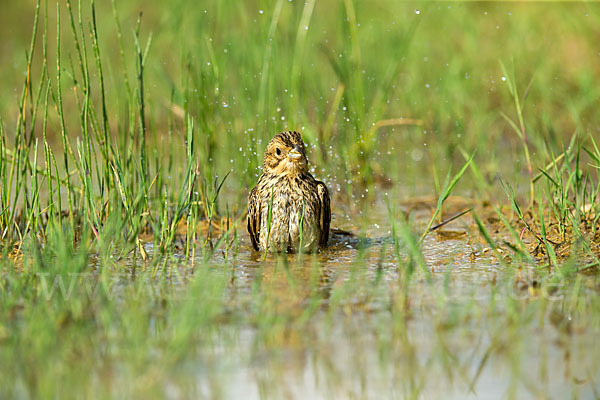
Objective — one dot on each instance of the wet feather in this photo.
(299, 204)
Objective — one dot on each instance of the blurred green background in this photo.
(247, 70)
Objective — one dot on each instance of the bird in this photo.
(288, 209)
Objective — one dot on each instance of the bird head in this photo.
(286, 155)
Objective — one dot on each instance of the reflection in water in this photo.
(346, 323)
(352, 322)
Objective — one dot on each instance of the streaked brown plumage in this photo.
(292, 195)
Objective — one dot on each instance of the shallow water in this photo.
(465, 327)
(348, 322)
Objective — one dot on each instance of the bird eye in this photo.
(278, 151)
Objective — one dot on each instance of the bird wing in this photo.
(254, 218)
(325, 217)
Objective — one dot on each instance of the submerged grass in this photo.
(126, 157)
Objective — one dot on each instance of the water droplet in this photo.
(503, 79)
(417, 155)
(261, 12)
(417, 11)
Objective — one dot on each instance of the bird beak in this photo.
(295, 153)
